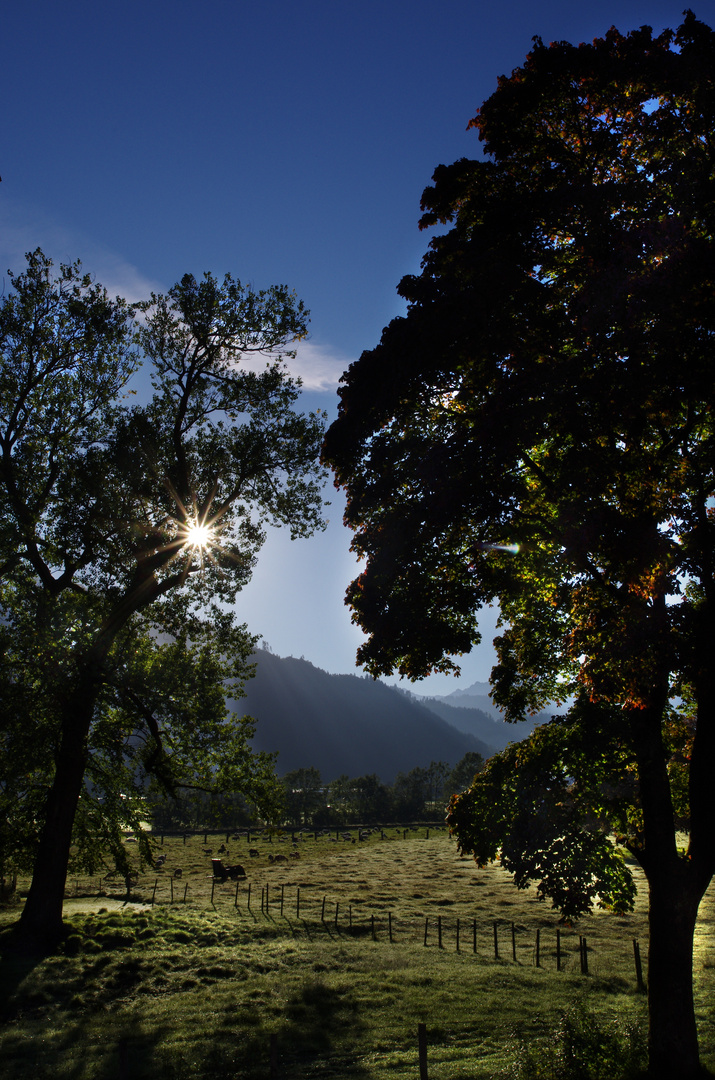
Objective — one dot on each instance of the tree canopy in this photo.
(538, 430)
(126, 533)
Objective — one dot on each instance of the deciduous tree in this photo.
(464, 772)
(127, 531)
(539, 430)
(304, 795)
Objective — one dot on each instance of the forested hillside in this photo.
(346, 724)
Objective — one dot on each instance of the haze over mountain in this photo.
(354, 725)
(346, 724)
(472, 711)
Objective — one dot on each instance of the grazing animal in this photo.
(222, 872)
(207, 851)
(295, 854)
(178, 872)
(223, 850)
(280, 858)
(159, 860)
(253, 853)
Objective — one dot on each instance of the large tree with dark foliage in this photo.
(539, 430)
(126, 532)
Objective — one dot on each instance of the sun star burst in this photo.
(198, 536)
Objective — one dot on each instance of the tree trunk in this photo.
(41, 920)
(676, 887)
(672, 1037)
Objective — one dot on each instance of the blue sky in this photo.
(283, 142)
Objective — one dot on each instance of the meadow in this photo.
(323, 965)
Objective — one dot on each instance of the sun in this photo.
(198, 536)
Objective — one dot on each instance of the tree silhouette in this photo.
(126, 531)
(538, 430)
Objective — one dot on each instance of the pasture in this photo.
(327, 973)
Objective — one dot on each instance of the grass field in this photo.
(206, 986)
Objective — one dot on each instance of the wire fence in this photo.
(296, 910)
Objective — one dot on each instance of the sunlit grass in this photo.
(194, 990)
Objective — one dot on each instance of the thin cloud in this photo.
(318, 366)
(24, 228)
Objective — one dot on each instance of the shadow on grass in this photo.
(18, 959)
(321, 1024)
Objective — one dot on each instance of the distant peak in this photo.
(477, 688)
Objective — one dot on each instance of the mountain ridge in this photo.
(345, 724)
(355, 725)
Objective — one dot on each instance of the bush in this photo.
(584, 1047)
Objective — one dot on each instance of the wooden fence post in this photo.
(156, 882)
(235, 902)
(322, 911)
(583, 949)
(186, 889)
(426, 924)
(213, 886)
(422, 1049)
(639, 969)
(249, 896)
(123, 1064)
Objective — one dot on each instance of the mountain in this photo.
(473, 712)
(475, 696)
(346, 724)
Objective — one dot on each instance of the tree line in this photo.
(418, 795)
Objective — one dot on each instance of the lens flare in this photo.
(512, 548)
